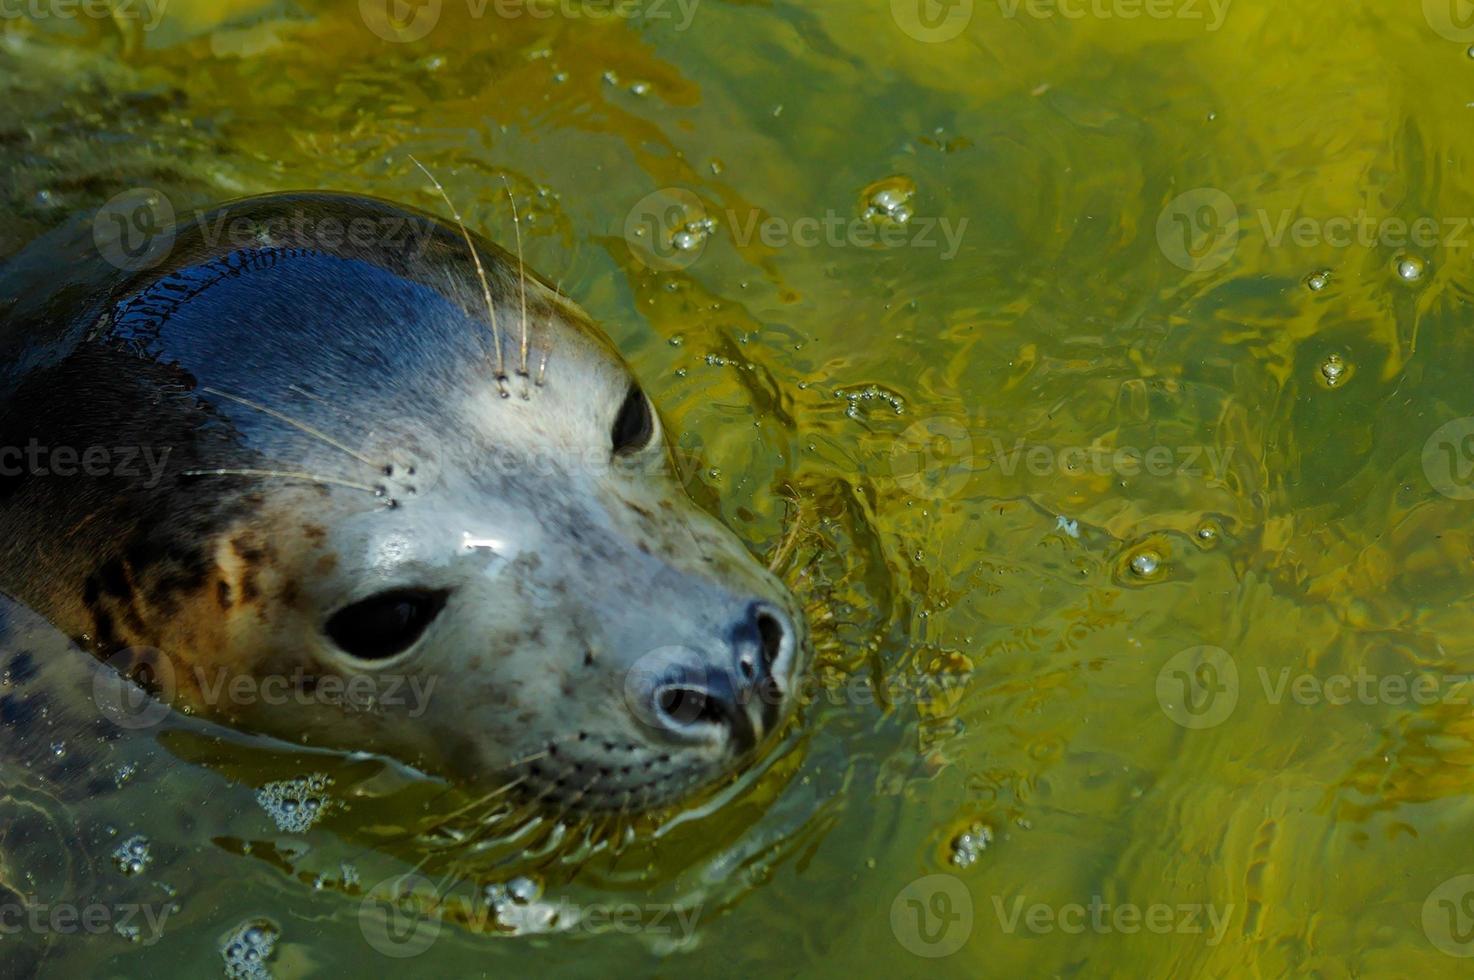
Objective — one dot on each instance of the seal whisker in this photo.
(294, 423)
(521, 272)
(327, 481)
(496, 338)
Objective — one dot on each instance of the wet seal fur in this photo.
(411, 502)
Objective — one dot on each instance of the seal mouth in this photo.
(625, 777)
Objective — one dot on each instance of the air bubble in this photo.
(294, 805)
(888, 200)
(1333, 370)
(1318, 280)
(1410, 268)
(132, 855)
(247, 948)
(968, 846)
(1146, 563)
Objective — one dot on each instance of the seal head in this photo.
(387, 493)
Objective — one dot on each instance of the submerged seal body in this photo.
(381, 492)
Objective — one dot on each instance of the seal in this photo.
(336, 471)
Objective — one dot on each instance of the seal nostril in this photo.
(687, 705)
(772, 633)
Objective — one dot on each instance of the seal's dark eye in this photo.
(385, 624)
(634, 425)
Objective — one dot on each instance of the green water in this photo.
(1156, 554)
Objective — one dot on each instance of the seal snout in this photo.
(739, 698)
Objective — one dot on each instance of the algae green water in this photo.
(1112, 358)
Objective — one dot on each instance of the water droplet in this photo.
(1318, 280)
(1410, 268)
(1333, 369)
(1146, 563)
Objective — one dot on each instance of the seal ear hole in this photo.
(386, 624)
(634, 426)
